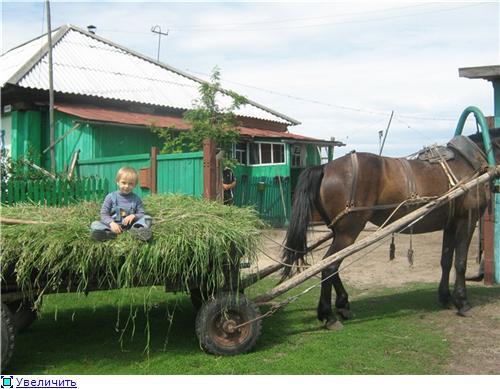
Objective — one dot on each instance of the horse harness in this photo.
(433, 154)
(350, 205)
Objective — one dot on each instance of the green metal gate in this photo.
(270, 196)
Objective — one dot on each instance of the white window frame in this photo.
(272, 154)
(246, 151)
(293, 146)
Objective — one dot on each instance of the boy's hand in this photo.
(115, 228)
(128, 220)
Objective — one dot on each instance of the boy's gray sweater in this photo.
(125, 202)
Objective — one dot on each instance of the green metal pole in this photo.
(496, 243)
(484, 130)
(496, 102)
(491, 161)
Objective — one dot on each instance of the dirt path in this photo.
(478, 350)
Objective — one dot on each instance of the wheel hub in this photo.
(229, 326)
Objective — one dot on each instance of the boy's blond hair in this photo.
(127, 172)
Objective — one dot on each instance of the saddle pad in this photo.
(435, 154)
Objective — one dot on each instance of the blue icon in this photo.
(7, 381)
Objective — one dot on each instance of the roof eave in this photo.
(489, 73)
(16, 77)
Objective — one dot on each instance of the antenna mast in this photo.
(157, 30)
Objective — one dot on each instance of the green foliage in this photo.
(208, 120)
(19, 169)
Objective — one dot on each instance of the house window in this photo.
(254, 153)
(278, 153)
(266, 153)
(240, 152)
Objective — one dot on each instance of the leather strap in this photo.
(354, 183)
(412, 186)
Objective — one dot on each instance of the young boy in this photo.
(123, 210)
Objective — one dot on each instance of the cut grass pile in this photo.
(193, 240)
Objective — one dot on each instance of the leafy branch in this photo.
(212, 117)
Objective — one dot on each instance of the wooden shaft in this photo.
(375, 237)
(253, 278)
(320, 241)
(4, 220)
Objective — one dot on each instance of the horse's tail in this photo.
(306, 196)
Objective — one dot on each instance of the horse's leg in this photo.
(329, 277)
(324, 310)
(465, 230)
(342, 299)
(446, 262)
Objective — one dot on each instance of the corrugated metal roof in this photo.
(16, 58)
(143, 119)
(86, 64)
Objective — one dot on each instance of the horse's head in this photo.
(496, 149)
(495, 141)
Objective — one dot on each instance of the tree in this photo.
(212, 117)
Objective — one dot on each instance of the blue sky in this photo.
(338, 68)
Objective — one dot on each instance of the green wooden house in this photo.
(107, 97)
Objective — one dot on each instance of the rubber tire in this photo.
(211, 311)
(8, 336)
(23, 314)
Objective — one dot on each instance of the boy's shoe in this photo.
(103, 235)
(141, 233)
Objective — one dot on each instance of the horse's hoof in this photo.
(445, 304)
(464, 310)
(334, 325)
(346, 314)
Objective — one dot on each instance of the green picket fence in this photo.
(54, 192)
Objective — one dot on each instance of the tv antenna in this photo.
(157, 30)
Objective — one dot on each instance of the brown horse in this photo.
(361, 187)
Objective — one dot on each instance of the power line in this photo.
(336, 106)
(276, 21)
(238, 26)
(369, 20)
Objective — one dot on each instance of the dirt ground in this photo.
(477, 350)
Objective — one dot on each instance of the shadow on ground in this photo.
(91, 335)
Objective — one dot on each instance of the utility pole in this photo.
(386, 131)
(51, 93)
(157, 30)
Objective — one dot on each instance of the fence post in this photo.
(209, 169)
(154, 170)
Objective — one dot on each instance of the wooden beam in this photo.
(154, 170)
(61, 137)
(209, 172)
(8, 221)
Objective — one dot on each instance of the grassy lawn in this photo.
(390, 334)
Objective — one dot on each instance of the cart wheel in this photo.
(8, 336)
(216, 321)
(23, 314)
